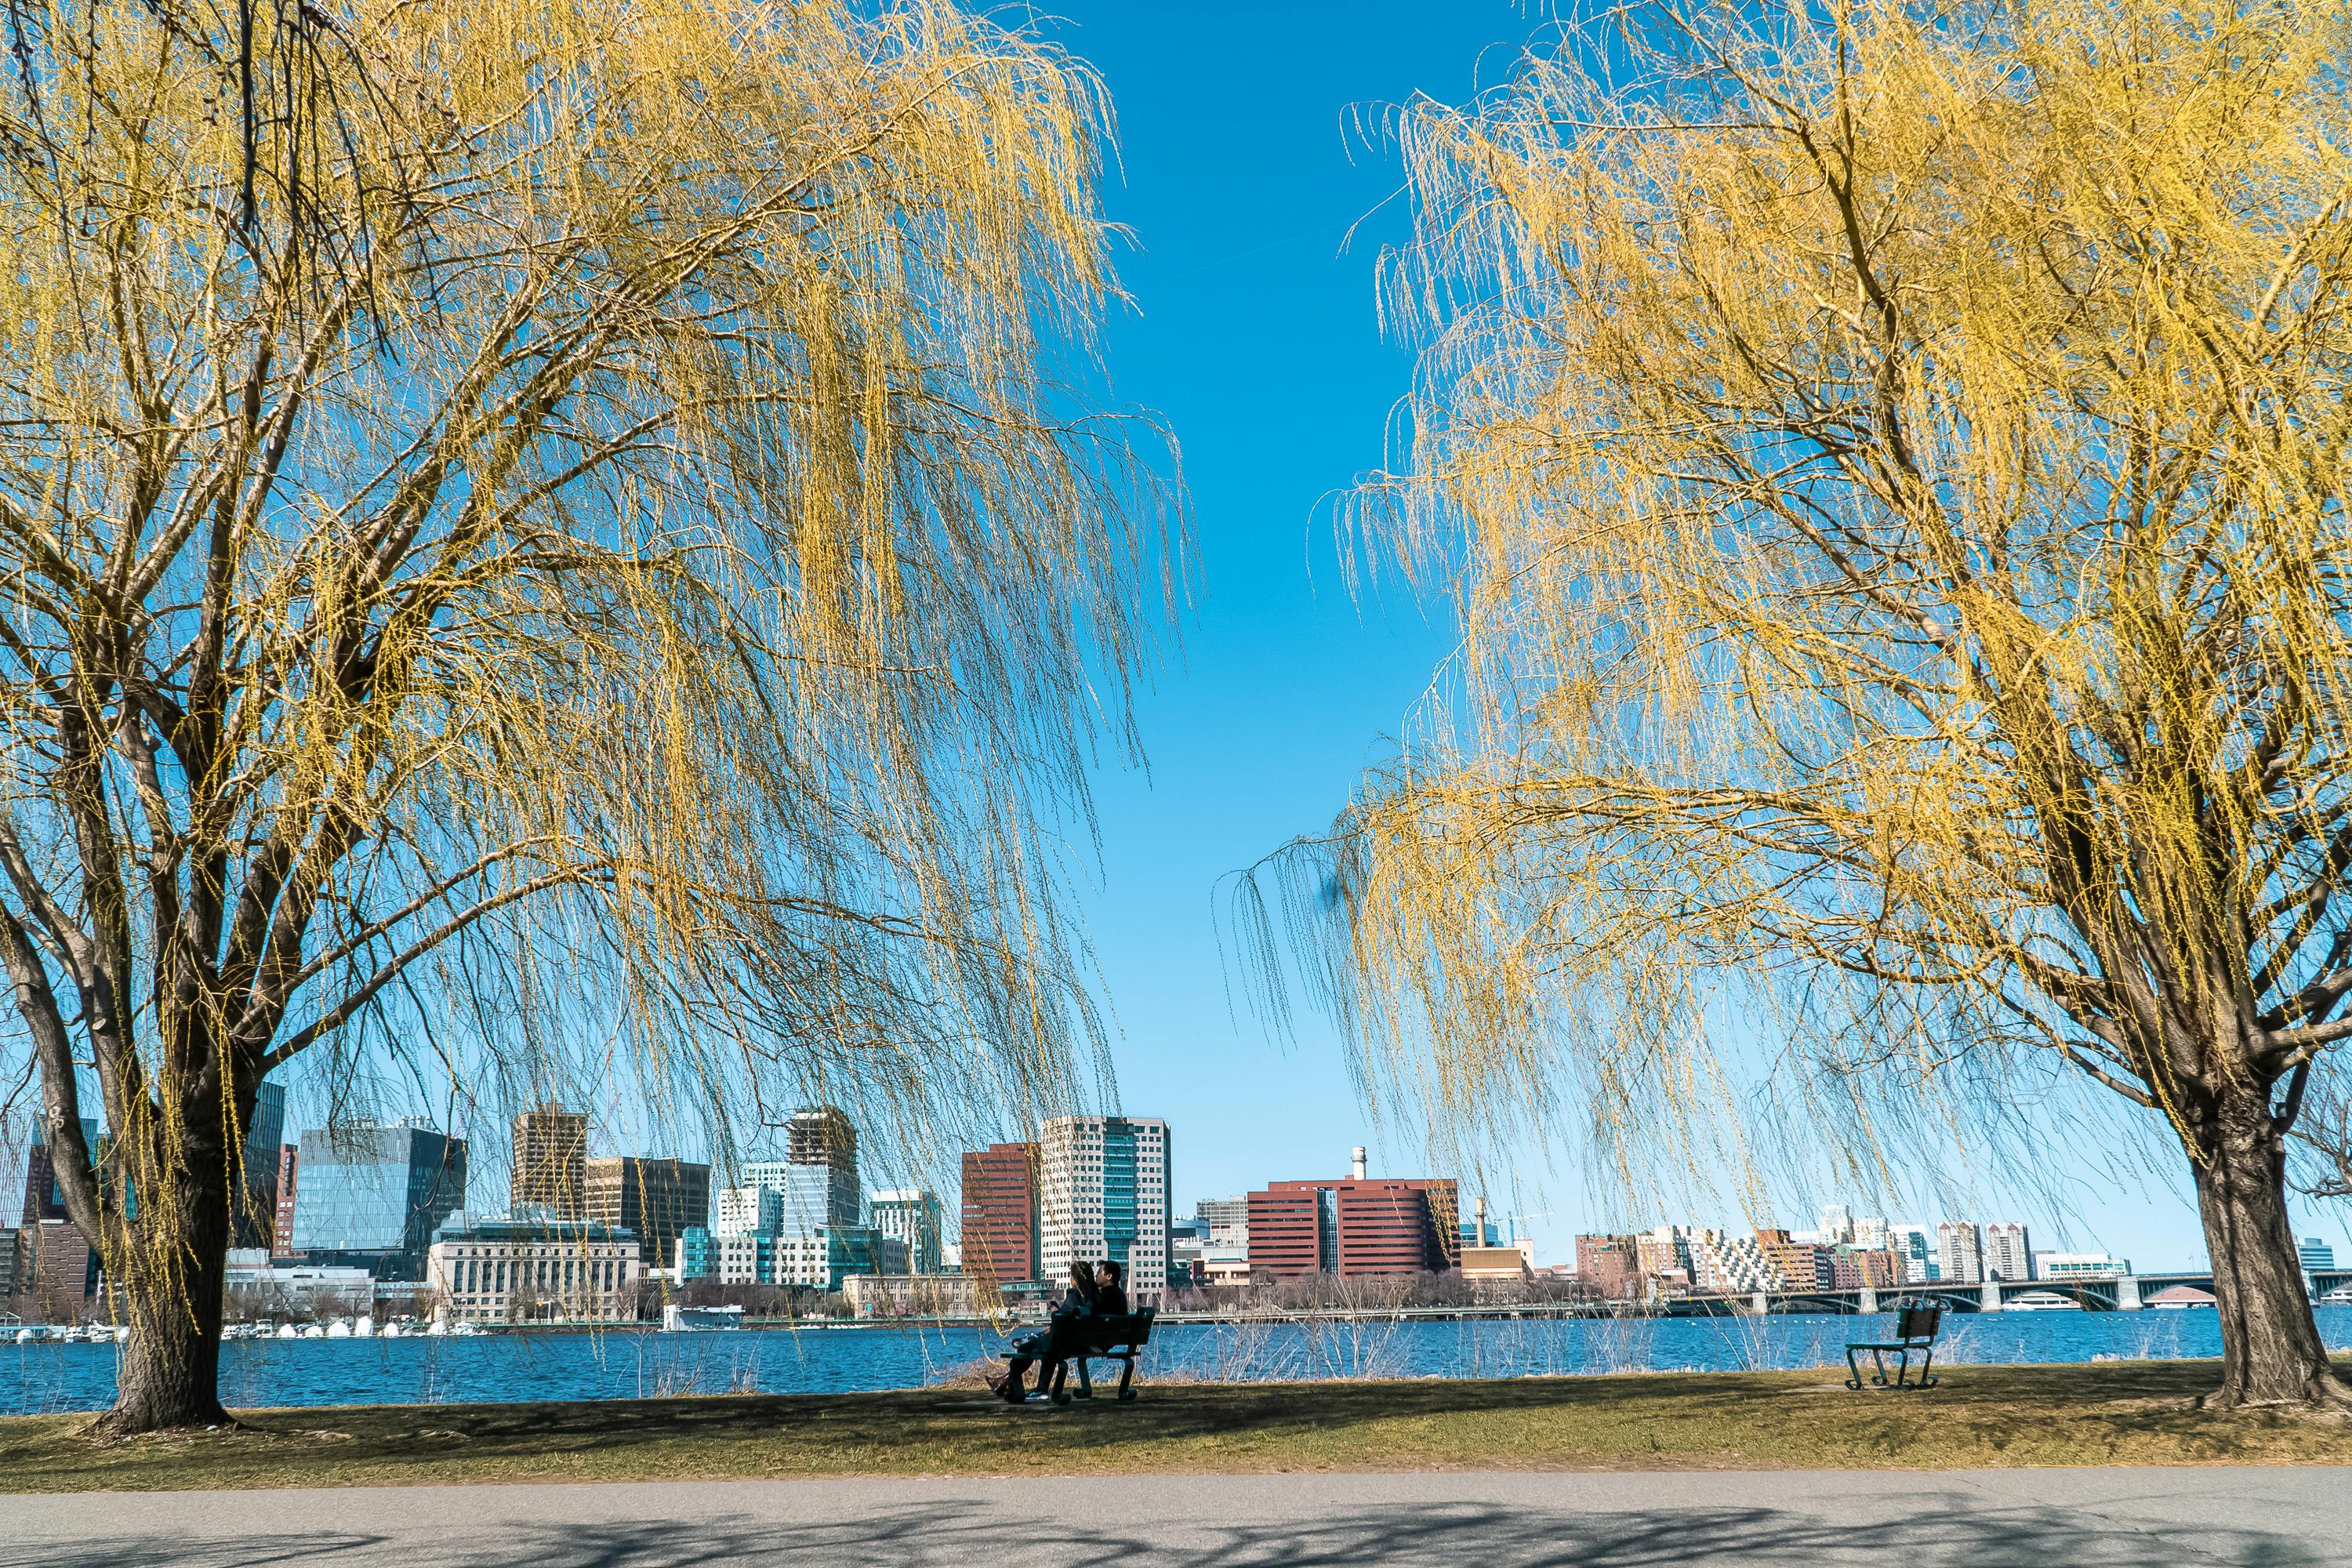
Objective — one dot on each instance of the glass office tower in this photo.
(371, 1194)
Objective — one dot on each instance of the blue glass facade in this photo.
(374, 1194)
(816, 1196)
(696, 1259)
(1118, 1217)
(267, 1131)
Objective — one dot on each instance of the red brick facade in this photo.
(1400, 1227)
(1000, 1214)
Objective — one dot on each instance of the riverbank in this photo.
(1981, 1417)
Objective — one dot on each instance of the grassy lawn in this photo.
(2112, 1413)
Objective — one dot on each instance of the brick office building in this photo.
(1355, 1227)
(1611, 1265)
(281, 1234)
(657, 1200)
(1000, 1214)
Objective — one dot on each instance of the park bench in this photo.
(1076, 1340)
(1914, 1334)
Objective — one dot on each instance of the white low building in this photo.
(251, 1272)
(750, 1211)
(503, 1270)
(911, 1295)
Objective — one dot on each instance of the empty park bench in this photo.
(1119, 1338)
(1914, 1334)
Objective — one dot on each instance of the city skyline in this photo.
(576, 1137)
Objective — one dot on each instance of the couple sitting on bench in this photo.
(1093, 1294)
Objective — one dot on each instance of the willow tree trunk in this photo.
(171, 1282)
(2271, 1349)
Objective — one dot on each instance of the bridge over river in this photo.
(2093, 1292)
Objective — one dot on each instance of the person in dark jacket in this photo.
(1110, 1297)
(1077, 1302)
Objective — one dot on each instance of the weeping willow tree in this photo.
(1890, 463)
(508, 503)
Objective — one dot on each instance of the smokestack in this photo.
(1478, 1237)
(1358, 1171)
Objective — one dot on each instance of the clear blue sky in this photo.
(1256, 338)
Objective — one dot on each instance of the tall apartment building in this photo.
(1665, 1251)
(1355, 1225)
(550, 1161)
(817, 1178)
(999, 1212)
(1915, 1244)
(2008, 1253)
(373, 1194)
(655, 1198)
(1102, 1192)
(64, 1265)
(44, 1199)
(1960, 1252)
(64, 1270)
(749, 1211)
(281, 1235)
(910, 1216)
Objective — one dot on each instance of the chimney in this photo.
(1358, 1173)
(1478, 1237)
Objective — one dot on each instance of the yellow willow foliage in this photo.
(541, 544)
(1889, 461)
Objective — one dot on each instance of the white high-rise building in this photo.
(1960, 1252)
(1102, 1192)
(1837, 1224)
(1867, 1235)
(1915, 1244)
(750, 1211)
(2009, 1255)
(909, 1215)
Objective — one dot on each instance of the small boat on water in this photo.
(2042, 1301)
(288, 1331)
(695, 1320)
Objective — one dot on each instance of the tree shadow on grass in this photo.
(1932, 1528)
(2130, 1413)
(2115, 1402)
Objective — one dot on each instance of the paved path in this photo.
(1986, 1519)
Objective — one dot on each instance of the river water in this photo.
(504, 1367)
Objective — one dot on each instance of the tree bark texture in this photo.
(2271, 1350)
(171, 1289)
